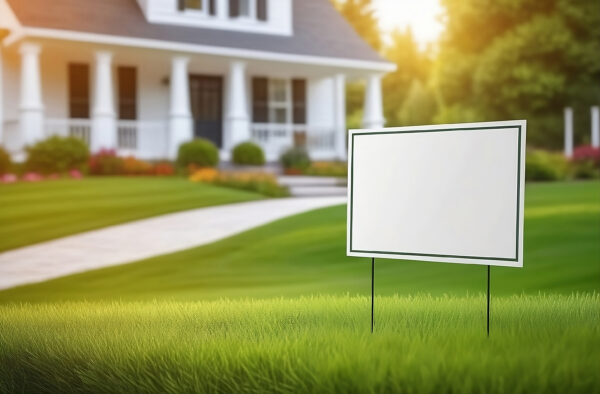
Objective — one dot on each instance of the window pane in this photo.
(278, 115)
(244, 8)
(278, 90)
(193, 4)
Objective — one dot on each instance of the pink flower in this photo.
(32, 177)
(75, 174)
(8, 178)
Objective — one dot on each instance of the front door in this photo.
(206, 93)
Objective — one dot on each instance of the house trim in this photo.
(200, 49)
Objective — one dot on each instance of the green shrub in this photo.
(328, 168)
(198, 153)
(57, 154)
(106, 162)
(5, 162)
(248, 153)
(545, 166)
(295, 159)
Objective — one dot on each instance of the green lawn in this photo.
(35, 212)
(538, 344)
(305, 254)
(281, 309)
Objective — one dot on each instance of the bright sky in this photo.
(420, 15)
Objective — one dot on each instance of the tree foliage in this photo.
(508, 59)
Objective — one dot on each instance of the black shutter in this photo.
(260, 97)
(234, 8)
(261, 10)
(299, 101)
(127, 93)
(79, 91)
(212, 7)
(181, 5)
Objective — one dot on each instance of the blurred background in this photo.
(142, 159)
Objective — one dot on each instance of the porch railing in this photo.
(127, 134)
(275, 138)
(147, 139)
(79, 128)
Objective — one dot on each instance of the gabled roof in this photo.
(319, 30)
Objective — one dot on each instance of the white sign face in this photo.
(446, 193)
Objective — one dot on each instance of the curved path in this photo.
(142, 239)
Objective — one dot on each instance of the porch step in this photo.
(313, 186)
(314, 191)
(300, 180)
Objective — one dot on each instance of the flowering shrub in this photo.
(105, 162)
(75, 174)
(32, 177)
(8, 178)
(328, 168)
(259, 182)
(585, 163)
(163, 169)
(585, 153)
(133, 166)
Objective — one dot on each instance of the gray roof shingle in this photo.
(319, 30)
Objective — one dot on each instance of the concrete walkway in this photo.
(142, 239)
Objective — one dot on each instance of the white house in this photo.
(143, 76)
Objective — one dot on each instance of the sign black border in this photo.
(516, 259)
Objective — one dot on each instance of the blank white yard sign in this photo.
(447, 193)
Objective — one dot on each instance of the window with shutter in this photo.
(79, 90)
(203, 6)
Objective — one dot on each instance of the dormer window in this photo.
(251, 10)
(200, 6)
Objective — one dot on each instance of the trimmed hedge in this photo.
(248, 153)
(199, 152)
(57, 155)
(295, 159)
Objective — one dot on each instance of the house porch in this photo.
(146, 102)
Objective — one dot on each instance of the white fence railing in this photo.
(145, 139)
(275, 138)
(127, 134)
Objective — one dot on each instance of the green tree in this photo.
(412, 69)
(507, 59)
(361, 15)
(419, 107)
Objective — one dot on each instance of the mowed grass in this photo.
(538, 344)
(35, 212)
(305, 255)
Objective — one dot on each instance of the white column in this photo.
(104, 124)
(595, 126)
(568, 131)
(373, 112)
(180, 115)
(339, 99)
(237, 106)
(223, 9)
(31, 108)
